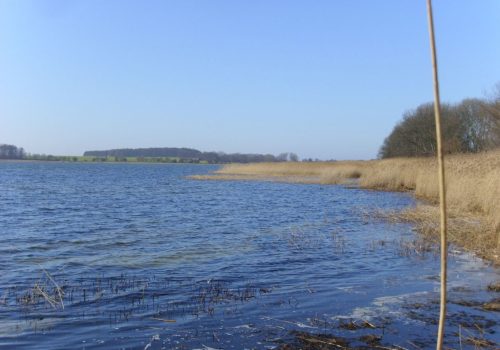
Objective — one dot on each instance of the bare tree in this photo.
(480, 124)
(415, 135)
(293, 157)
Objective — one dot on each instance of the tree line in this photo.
(470, 126)
(193, 155)
(11, 152)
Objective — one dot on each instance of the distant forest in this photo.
(471, 126)
(154, 155)
(191, 155)
(11, 152)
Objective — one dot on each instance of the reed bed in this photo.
(472, 185)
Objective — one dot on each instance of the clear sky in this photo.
(326, 79)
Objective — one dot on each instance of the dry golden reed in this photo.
(472, 184)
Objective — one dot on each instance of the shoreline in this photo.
(473, 183)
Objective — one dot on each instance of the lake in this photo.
(139, 256)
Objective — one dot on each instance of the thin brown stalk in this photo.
(58, 289)
(441, 174)
(40, 291)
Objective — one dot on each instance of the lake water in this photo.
(149, 259)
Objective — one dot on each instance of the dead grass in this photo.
(45, 289)
(472, 180)
(469, 231)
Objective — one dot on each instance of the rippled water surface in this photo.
(139, 256)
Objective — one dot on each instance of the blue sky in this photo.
(326, 79)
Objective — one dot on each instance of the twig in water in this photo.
(40, 291)
(60, 292)
(163, 320)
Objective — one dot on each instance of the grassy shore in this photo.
(472, 180)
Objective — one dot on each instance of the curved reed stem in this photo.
(442, 189)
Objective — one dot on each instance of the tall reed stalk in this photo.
(441, 176)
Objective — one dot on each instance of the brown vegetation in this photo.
(472, 180)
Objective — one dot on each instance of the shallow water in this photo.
(148, 258)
